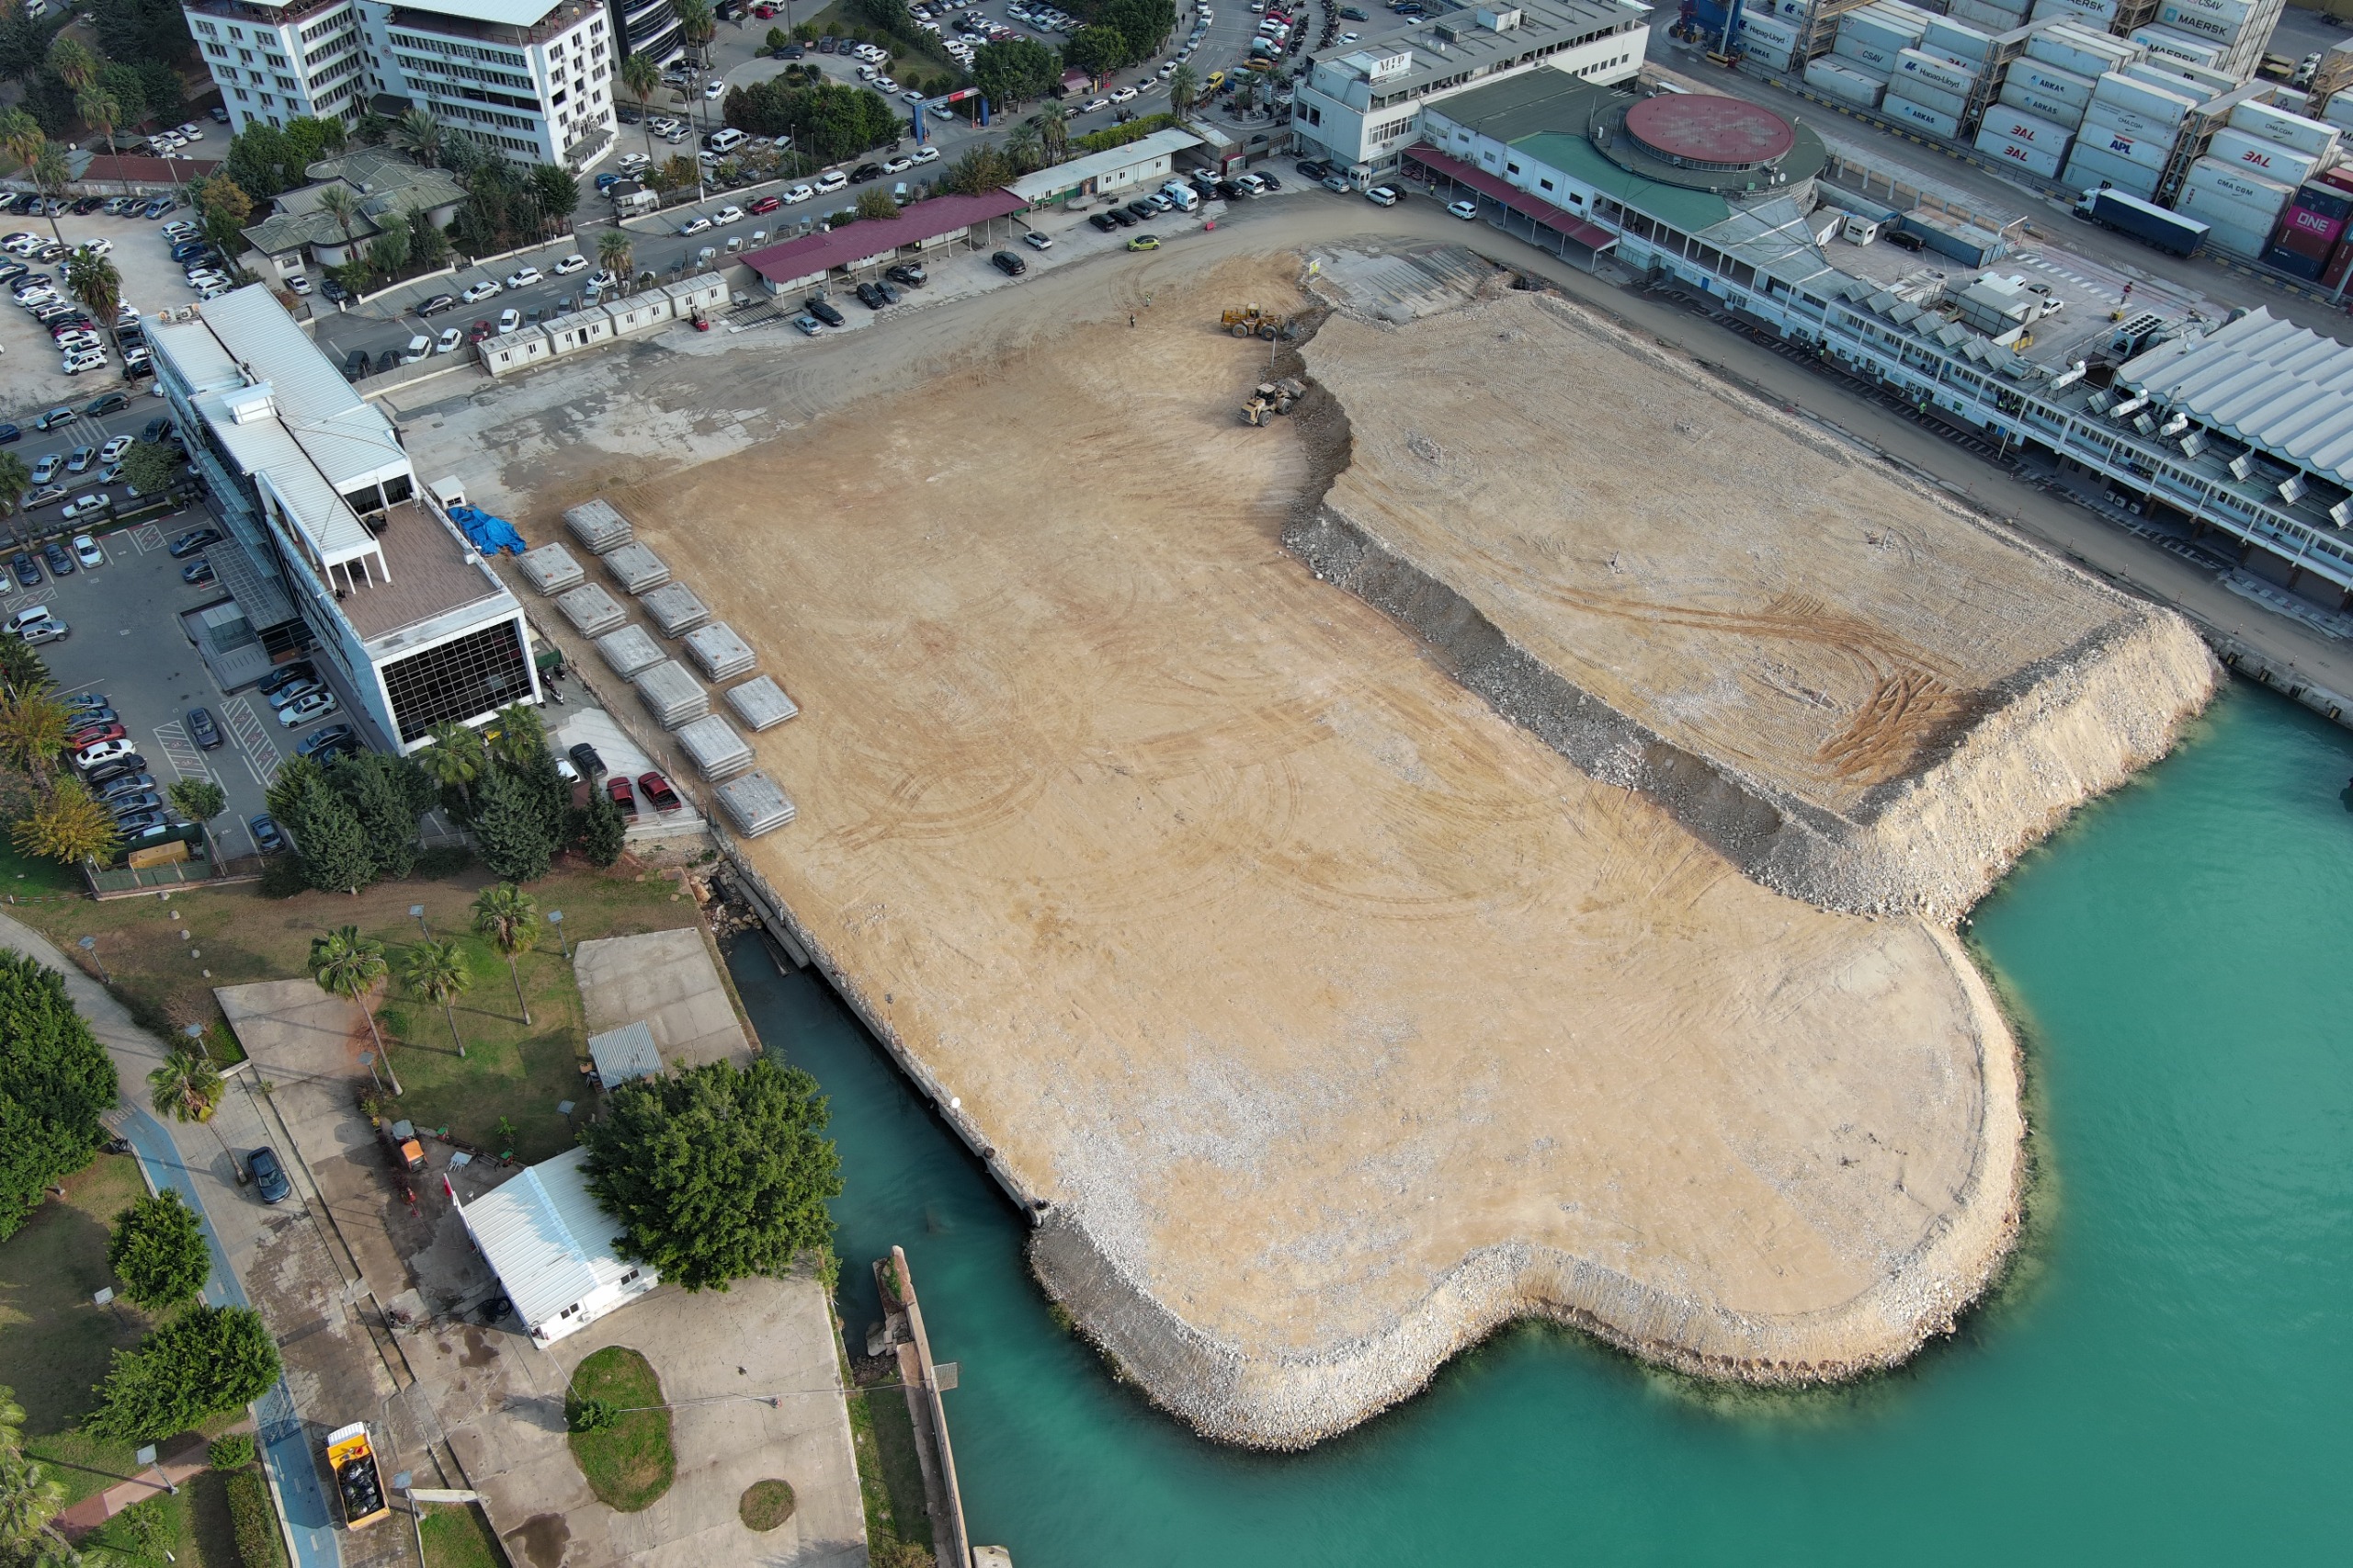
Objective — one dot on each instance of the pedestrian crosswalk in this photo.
(253, 739)
(186, 759)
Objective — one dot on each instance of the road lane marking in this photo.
(180, 752)
(252, 738)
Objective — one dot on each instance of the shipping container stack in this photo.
(2242, 187)
(1937, 83)
(2047, 94)
(2128, 134)
(2310, 236)
(1865, 54)
(1992, 17)
(1767, 40)
(1782, 35)
(2240, 30)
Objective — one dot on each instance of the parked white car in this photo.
(797, 195)
(727, 215)
(522, 277)
(570, 265)
(481, 292)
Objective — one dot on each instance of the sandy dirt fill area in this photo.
(1335, 1019)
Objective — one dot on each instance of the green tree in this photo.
(503, 915)
(641, 78)
(21, 670)
(385, 806)
(602, 830)
(52, 174)
(33, 733)
(457, 757)
(875, 204)
(1012, 73)
(348, 964)
(556, 191)
(29, 1499)
(158, 1253)
(1096, 51)
(388, 253)
(716, 1172)
(340, 202)
(1053, 131)
(1024, 147)
(420, 136)
(68, 826)
(22, 134)
(510, 827)
(55, 1081)
(14, 480)
(94, 280)
(198, 799)
(103, 109)
(436, 970)
(698, 24)
(150, 466)
(327, 832)
(73, 62)
(207, 1361)
(428, 246)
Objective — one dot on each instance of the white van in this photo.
(1186, 197)
(418, 348)
(726, 141)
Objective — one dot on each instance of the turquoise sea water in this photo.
(2169, 1378)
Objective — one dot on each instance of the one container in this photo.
(2088, 170)
(2160, 105)
(756, 804)
(597, 526)
(676, 610)
(2033, 159)
(670, 695)
(592, 610)
(636, 568)
(2308, 233)
(1911, 64)
(720, 652)
(1953, 105)
(2018, 96)
(2256, 155)
(715, 749)
(1904, 111)
(2329, 199)
(1840, 80)
(2025, 130)
(2313, 136)
(1956, 39)
(629, 650)
(552, 569)
(761, 704)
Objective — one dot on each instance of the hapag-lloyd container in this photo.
(2018, 96)
(2002, 149)
(2025, 130)
(2158, 104)
(1771, 30)
(2313, 136)
(2268, 159)
(1911, 64)
(1904, 111)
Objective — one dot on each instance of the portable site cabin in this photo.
(551, 1248)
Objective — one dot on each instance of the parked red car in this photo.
(765, 204)
(616, 787)
(480, 331)
(658, 793)
(83, 739)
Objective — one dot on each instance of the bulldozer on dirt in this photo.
(1270, 398)
(1249, 321)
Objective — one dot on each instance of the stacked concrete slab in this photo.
(720, 652)
(756, 804)
(715, 749)
(592, 610)
(676, 610)
(761, 704)
(675, 697)
(637, 569)
(600, 529)
(552, 569)
(629, 650)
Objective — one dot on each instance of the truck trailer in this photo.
(2144, 220)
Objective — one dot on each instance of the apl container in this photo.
(2147, 152)
(2035, 160)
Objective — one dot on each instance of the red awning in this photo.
(1593, 236)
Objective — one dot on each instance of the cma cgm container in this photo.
(2104, 116)
(2288, 130)
(2003, 151)
(2144, 99)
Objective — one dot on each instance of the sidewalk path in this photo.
(195, 1161)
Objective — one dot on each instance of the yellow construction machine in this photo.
(1270, 398)
(1249, 321)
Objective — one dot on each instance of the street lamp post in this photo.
(368, 1060)
(416, 912)
(90, 946)
(555, 918)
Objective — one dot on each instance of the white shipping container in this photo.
(2048, 80)
(1840, 80)
(2255, 155)
(1920, 93)
(2211, 184)
(2247, 244)
(1769, 58)
(1904, 111)
(2181, 77)
(1956, 40)
(1770, 30)
(2059, 52)
(2230, 13)
(2095, 10)
(2150, 151)
(2004, 121)
(2180, 46)
(2222, 215)
(2017, 96)
(2288, 129)
(1991, 20)
(1888, 31)
(2036, 159)
(2196, 24)
(2104, 116)
(2340, 109)
(2089, 168)
(1866, 55)
(2153, 103)
(1946, 78)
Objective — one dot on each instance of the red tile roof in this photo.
(1557, 219)
(827, 249)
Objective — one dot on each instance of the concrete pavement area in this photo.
(669, 982)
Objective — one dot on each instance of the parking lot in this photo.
(152, 281)
(128, 642)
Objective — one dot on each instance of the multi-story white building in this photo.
(650, 27)
(1361, 105)
(533, 78)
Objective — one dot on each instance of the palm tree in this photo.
(340, 202)
(434, 970)
(188, 1087)
(642, 78)
(97, 285)
(420, 135)
(1054, 130)
(99, 107)
(520, 735)
(698, 26)
(1183, 87)
(614, 253)
(14, 480)
(349, 964)
(504, 913)
(73, 62)
(22, 134)
(1024, 147)
(455, 759)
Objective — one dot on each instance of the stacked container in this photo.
(1769, 40)
(1834, 77)
(2178, 46)
(2011, 135)
(2127, 136)
(2340, 111)
(2240, 28)
(1930, 89)
(2241, 209)
(1992, 16)
(2311, 231)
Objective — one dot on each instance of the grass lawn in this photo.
(630, 1463)
(24, 877)
(459, 1537)
(235, 936)
(56, 1344)
(901, 1467)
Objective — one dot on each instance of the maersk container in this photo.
(1954, 104)
(1934, 73)
(2313, 136)
(2148, 151)
(2158, 104)
(2268, 159)
(2018, 96)
(2002, 149)
(2088, 170)
(2186, 19)
(1956, 40)
(1904, 111)
(1865, 54)
(2180, 46)
(2330, 199)
(2223, 13)
(2096, 13)
(2025, 129)
(1840, 80)
(2047, 81)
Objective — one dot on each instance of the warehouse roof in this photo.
(1049, 183)
(829, 249)
(546, 1238)
(2269, 382)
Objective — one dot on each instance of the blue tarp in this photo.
(490, 535)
